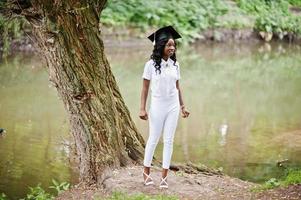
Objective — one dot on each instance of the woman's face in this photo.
(170, 48)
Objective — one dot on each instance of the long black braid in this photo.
(158, 54)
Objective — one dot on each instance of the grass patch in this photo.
(292, 176)
(124, 196)
(38, 193)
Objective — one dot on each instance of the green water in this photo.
(31, 150)
(253, 90)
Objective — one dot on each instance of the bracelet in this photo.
(182, 106)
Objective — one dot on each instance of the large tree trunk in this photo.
(69, 37)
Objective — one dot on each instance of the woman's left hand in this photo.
(184, 112)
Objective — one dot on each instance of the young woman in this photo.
(162, 72)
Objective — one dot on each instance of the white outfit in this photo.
(164, 108)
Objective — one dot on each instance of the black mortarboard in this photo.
(163, 33)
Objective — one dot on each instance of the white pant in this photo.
(164, 113)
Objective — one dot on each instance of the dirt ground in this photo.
(185, 186)
(182, 185)
(292, 192)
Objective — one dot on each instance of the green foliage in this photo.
(123, 196)
(276, 22)
(10, 29)
(293, 177)
(272, 16)
(272, 183)
(38, 193)
(3, 196)
(60, 187)
(189, 17)
(259, 6)
(295, 2)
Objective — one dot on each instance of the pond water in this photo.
(245, 104)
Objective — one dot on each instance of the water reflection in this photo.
(244, 102)
(35, 123)
(242, 97)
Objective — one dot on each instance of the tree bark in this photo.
(69, 37)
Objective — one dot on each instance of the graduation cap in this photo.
(164, 33)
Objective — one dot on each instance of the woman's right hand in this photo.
(143, 115)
